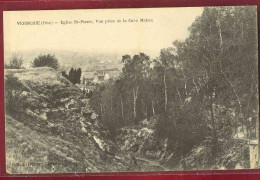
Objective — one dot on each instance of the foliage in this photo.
(15, 62)
(203, 88)
(14, 100)
(74, 75)
(46, 60)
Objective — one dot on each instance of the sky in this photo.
(168, 25)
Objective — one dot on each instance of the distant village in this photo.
(98, 73)
(91, 78)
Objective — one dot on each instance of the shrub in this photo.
(46, 61)
(15, 62)
(14, 101)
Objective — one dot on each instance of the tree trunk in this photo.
(135, 94)
(111, 108)
(197, 90)
(146, 111)
(185, 81)
(185, 88)
(220, 33)
(144, 107)
(179, 94)
(153, 108)
(241, 115)
(101, 109)
(165, 91)
(214, 133)
(122, 107)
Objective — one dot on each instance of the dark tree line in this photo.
(74, 75)
(203, 88)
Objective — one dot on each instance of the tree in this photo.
(74, 75)
(136, 69)
(64, 74)
(46, 61)
(201, 90)
(78, 76)
(222, 43)
(163, 63)
(15, 62)
(119, 84)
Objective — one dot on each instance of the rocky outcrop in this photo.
(54, 125)
(234, 154)
(142, 140)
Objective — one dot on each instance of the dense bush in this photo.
(46, 60)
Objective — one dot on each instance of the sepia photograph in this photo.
(131, 90)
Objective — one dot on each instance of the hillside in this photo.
(143, 140)
(50, 128)
(53, 127)
(193, 106)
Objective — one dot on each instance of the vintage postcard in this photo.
(131, 90)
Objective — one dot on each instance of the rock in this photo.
(99, 142)
(50, 124)
(31, 113)
(64, 100)
(76, 110)
(93, 116)
(87, 114)
(70, 104)
(43, 115)
(83, 129)
(188, 99)
(44, 104)
(24, 93)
